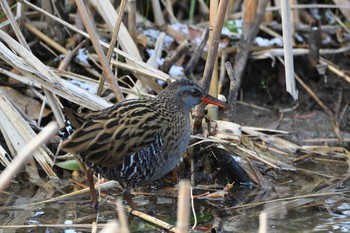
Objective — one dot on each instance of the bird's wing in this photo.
(117, 132)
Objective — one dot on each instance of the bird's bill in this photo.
(208, 99)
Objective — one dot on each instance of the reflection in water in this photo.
(237, 212)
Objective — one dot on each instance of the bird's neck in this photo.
(171, 104)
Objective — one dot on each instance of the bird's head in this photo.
(188, 94)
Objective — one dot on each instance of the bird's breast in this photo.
(175, 142)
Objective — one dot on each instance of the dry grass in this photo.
(129, 75)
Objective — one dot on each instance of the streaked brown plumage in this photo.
(138, 141)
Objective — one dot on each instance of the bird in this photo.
(137, 141)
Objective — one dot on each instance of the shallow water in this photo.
(234, 213)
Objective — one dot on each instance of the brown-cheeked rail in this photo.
(136, 142)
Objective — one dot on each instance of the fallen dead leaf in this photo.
(24, 104)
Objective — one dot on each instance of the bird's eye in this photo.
(195, 92)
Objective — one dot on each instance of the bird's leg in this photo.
(127, 197)
(90, 179)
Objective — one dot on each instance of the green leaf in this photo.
(69, 165)
(231, 26)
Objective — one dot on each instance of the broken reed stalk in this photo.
(213, 89)
(211, 58)
(183, 207)
(151, 219)
(112, 227)
(214, 41)
(197, 54)
(250, 7)
(250, 30)
(332, 68)
(94, 227)
(158, 13)
(176, 35)
(24, 154)
(45, 38)
(233, 93)
(123, 222)
(182, 49)
(132, 19)
(112, 44)
(288, 48)
(262, 222)
(69, 56)
(104, 186)
(95, 42)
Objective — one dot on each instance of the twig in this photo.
(112, 44)
(153, 60)
(335, 70)
(214, 77)
(314, 45)
(42, 108)
(193, 209)
(45, 38)
(342, 113)
(211, 58)
(178, 37)
(271, 53)
(61, 226)
(232, 98)
(95, 41)
(197, 53)
(151, 219)
(203, 8)
(175, 56)
(330, 114)
(311, 195)
(254, 106)
(69, 56)
(222, 74)
(308, 6)
(169, 9)
(247, 40)
(4, 157)
(213, 44)
(345, 11)
(269, 31)
(323, 140)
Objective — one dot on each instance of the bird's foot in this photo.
(131, 203)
